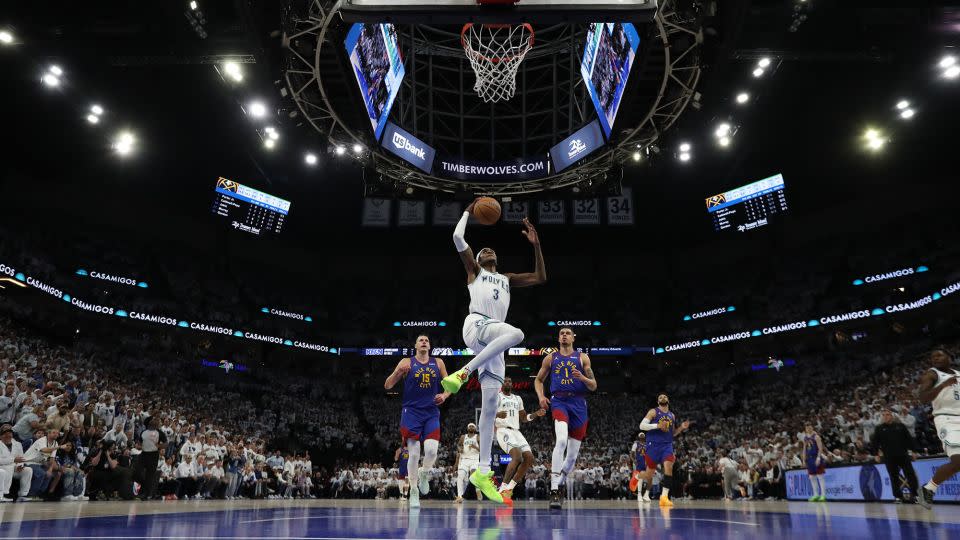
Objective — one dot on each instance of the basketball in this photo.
(487, 210)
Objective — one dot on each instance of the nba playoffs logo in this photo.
(576, 148)
(402, 143)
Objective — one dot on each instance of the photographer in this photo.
(104, 473)
(73, 481)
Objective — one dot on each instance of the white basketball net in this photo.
(495, 52)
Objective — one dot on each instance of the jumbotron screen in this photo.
(748, 207)
(607, 58)
(249, 210)
(375, 59)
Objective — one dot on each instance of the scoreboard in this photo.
(748, 207)
(249, 210)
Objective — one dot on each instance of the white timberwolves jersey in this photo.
(948, 401)
(512, 405)
(490, 295)
(470, 450)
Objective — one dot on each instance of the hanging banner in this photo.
(620, 209)
(376, 212)
(551, 213)
(514, 212)
(586, 212)
(446, 213)
(411, 213)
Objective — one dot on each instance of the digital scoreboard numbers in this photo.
(748, 207)
(249, 210)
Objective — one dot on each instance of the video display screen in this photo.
(748, 207)
(378, 67)
(605, 67)
(250, 210)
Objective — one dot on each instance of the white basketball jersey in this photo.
(512, 405)
(948, 400)
(490, 295)
(468, 451)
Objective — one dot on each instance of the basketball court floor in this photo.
(435, 520)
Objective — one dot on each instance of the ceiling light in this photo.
(233, 70)
(311, 159)
(724, 141)
(269, 144)
(685, 156)
(6, 37)
(124, 142)
(907, 114)
(871, 134)
(258, 109)
(340, 150)
(903, 104)
(193, 5)
(875, 144)
(758, 72)
(764, 62)
(684, 147)
(92, 118)
(409, 190)
(357, 148)
(636, 156)
(96, 109)
(50, 80)
(951, 72)
(273, 135)
(947, 61)
(743, 97)
(722, 130)
(56, 70)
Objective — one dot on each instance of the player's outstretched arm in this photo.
(542, 378)
(403, 367)
(929, 389)
(587, 377)
(466, 253)
(646, 424)
(539, 274)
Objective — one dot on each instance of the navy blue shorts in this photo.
(420, 424)
(573, 411)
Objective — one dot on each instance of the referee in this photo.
(894, 442)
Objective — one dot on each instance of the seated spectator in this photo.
(13, 466)
(73, 478)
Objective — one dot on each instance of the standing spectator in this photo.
(12, 463)
(8, 404)
(154, 441)
(894, 442)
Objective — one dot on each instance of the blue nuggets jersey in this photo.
(655, 436)
(421, 384)
(561, 374)
(812, 449)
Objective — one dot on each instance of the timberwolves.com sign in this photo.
(521, 169)
(909, 271)
(287, 314)
(419, 324)
(709, 313)
(129, 281)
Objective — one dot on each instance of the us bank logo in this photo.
(402, 143)
(576, 148)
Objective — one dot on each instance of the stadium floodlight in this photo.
(743, 97)
(96, 109)
(234, 71)
(124, 143)
(764, 62)
(311, 159)
(907, 114)
(875, 139)
(50, 80)
(257, 109)
(269, 144)
(722, 130)
(903, 104)
(93, 119)
(273, 135)
(684, 147)
(685, 156)
(357, 148)
(724, 141)
(340, 150)
(194, 5)
(6, 37)
(758, 72)
(951, 72)
(636, 156)
(947, 61)
(55, 69)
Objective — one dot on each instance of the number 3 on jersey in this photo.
(496, 294)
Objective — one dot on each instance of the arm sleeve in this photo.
(458, 233)
(646, 425)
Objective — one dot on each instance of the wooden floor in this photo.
(392, 519)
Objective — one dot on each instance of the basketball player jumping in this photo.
(940, 385)
(510, 413)
(571, 377)
(468, 460)
(420, 418)
(659, 424)
(485, 331)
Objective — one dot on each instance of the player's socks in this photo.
(452, 383)
(634, 481)
(484, 482)
(507, 486)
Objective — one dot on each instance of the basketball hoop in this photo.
(495, 52)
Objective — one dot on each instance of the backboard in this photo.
(498, 11)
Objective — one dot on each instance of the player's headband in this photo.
(478, 254)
